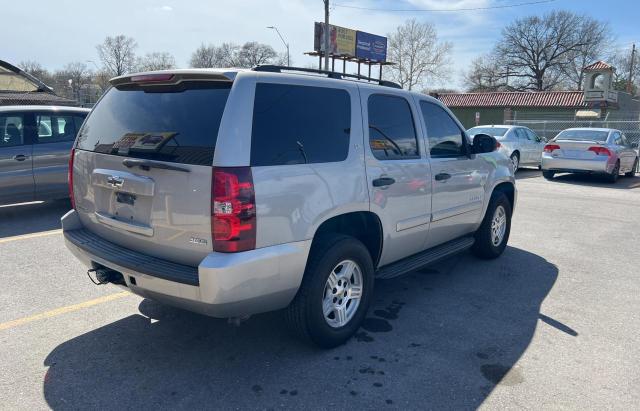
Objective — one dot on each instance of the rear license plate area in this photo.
(125, 198)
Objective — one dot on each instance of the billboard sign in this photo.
(342, 41)
(371, 47)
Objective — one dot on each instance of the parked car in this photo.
(521, 144)
(278, 187)
(601, 151)
(35, 142)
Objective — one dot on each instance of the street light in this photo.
(281, 38)
(94, 63)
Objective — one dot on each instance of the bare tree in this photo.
(595, 35)
(118, 54)
(486, 74)
(156, 61)
(36, 70)
(73, 79)
(620, 58)
(253, 54)
(537, 49)
(205, 56)
(418, 54)
(208, 56)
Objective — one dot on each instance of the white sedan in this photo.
(520, 144)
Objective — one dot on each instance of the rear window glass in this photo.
(583, 135)
(169, 124)
(299, 124)
(492, 131)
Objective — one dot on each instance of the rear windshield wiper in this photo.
(149, 164)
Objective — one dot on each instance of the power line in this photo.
(504, 6)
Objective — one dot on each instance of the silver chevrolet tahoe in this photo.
(235, 192)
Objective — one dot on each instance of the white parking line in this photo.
(27, 236)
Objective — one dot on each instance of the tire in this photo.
(615, 173)
(515, 162)
(632, 173)
(305, 315)
(548, 174)
(485, 247)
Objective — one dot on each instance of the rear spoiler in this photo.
(172, 77)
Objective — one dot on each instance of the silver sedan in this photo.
(590, 150)
(520, 144)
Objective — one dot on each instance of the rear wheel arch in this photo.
(364, 226)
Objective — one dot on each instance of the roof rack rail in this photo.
(270, 68)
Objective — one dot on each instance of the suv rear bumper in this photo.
(223, 285)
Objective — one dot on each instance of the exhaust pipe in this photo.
(104, 275)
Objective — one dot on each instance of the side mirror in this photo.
(484, 143)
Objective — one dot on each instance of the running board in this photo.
(412, 263)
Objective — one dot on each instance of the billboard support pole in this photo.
(358, 67)
(326, 33)
(344, 65)
(369, 70)
(380, 71)
(333, 63)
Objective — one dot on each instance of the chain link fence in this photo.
(550, 128)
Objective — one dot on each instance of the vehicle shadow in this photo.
(524, 173)
(441, 337)
(30, 218)
(623, 183)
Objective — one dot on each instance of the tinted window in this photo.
(11, 130)
(531, 135)
(583, 135)
(53, 128)
(392, 135)
(445, 137)
(175, 124)
(299, 124)
(521, 134)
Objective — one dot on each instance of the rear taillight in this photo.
(498, 145)
(71, 197)
(550, 147)
(601, 151)
(233, 209)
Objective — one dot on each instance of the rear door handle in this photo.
(383, 182)
(20, 157)
(442, 176)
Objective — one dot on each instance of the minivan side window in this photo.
(444, 135)
(11, 130)
(392, 134)
(55, 128)
(299, 124)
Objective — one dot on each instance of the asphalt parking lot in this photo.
(554, 323)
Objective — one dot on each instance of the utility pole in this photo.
(326, 33)
(630, 79)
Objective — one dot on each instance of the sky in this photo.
(56, 32)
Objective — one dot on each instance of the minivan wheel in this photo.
(335, 292)
(615, 173)
(493, 234)
(632, 172)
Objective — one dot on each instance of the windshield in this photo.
(581, 135)
(175, 125)
(496, 132)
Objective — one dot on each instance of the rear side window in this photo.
(445, 137)
(55, 128)
(178, 125)
(299, 124)
(11, 130)
(392, 134)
